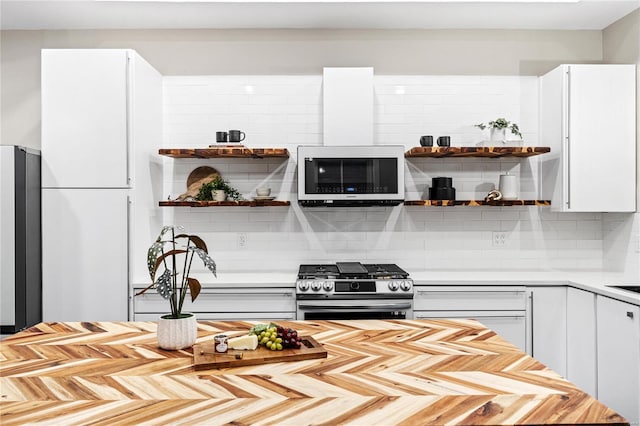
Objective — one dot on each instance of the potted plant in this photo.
(218, 189)
(498, 128)
(173, 255)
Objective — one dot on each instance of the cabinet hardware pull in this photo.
(630, 314)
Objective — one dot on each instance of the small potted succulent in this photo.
(173, 255)
(217, 190)
(498, 128)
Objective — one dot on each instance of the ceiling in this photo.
(331, 14)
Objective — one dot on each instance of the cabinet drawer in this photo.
(224, 316)
(470, 298)
(222, 301)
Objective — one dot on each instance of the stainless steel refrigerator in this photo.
(20, 239)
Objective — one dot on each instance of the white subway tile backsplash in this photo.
(286, 111)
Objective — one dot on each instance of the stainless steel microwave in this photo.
(350, 175)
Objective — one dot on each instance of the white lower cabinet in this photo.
(581, 340)
(548, 307)
(500, 308)
(224, 304)
(618, 356)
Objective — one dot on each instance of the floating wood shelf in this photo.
(243, 203)
(224, 152)
(476, 151)
(501, 203)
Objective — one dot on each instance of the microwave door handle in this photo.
(390, 306)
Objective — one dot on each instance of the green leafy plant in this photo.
(175, 258)
(501, 123)
(204, 194)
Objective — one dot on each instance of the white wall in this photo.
(466, 66)
(621, 44)
(286, 52)
(285, 111)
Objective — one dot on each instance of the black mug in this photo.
(236, 136)
(221, 137)
(426, 140)
(444, 141)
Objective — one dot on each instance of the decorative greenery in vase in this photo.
(174, 282)
(499, 124)
(217, 184)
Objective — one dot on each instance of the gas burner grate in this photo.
(352, 270)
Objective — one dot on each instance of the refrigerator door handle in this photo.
(128, 80)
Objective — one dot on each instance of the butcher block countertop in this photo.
(395, 372)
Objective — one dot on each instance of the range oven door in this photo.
(346, 309)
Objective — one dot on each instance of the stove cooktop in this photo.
(352, 270)
(353, 280)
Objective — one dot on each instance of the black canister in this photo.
(442, 189)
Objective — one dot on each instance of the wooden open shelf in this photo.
(224, 152)
(476, 151)
(243, 203)
(501, 203)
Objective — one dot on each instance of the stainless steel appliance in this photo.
(351, 290)
(350, 175)
(635, 288)
(20, 239)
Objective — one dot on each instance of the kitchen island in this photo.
(376, 373)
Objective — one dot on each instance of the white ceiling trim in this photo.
(376, 14)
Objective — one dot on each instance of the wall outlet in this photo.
(242, 240)
(498, 239)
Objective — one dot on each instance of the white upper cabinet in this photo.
(85, 107)
(587, 117)
(347, 100)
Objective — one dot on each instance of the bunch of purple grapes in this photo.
(290, 338)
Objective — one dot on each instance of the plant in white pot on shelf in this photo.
(217, 190)
(498, 127)
(173, 255)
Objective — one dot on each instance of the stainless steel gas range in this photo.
(352, 290)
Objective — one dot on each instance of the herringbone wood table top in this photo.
(406, 372)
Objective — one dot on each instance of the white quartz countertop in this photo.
(598, 282)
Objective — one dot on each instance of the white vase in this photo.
(498, 135)
(177, 333)
(219, 195)
(508, 186)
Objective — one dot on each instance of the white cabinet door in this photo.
(510, 325)
(585, 109)
(549, 327)
(84, 118)
(581, 340)
(347, 106)
(84, 261)
(618, 334)
(500, 308)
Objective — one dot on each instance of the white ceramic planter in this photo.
(498, 135)
(219, 195)
(174, 334)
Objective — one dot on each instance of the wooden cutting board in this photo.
(205, 357)
(198, 177)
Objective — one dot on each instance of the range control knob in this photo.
(393, 285)
(328, 285)
(405, 285)
(303, 285)
(316, 285)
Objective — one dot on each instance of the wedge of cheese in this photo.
(243, 342)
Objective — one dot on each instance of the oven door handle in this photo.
(388, 306)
